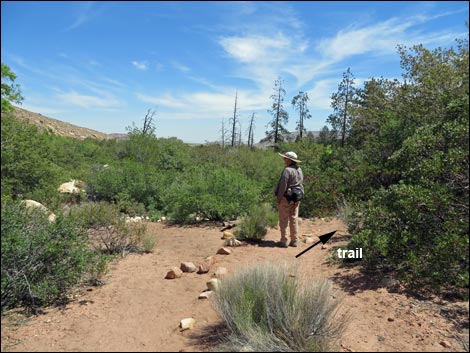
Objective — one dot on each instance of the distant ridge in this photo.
(59, 127)
(119, 136)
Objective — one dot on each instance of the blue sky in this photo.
(103, 65)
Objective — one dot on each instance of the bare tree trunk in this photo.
(223, 134)
(250, 131)
(148, 121)
(234, 122)
(276, 130)
(343, 132)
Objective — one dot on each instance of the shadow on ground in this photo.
(209, 337)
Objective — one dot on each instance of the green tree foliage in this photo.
(417, 232)
(326, 136)
(10, 90)
(210, 192)
(300, 104)
(341, 102)
(413, 143)
(25, 166)
(280, 115)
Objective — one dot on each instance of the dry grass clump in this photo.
(266, 308)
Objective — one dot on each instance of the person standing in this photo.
(291, 180)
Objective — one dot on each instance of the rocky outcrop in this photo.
(71, 187)
(34, 204)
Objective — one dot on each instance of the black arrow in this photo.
(323, 239)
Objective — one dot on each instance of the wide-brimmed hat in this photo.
(290, 155)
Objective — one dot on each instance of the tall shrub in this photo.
(41, 260)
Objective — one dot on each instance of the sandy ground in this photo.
(137, 309)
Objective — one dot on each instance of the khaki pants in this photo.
(288, 216)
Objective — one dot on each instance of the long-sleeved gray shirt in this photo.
(290, 177)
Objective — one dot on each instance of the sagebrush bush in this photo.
(254, 225)
(41, 260)
(122, 238)
(344, 210)
(94, 214)
(267, 308)
(111, 233)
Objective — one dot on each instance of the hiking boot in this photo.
(283, 244)
(293, 243)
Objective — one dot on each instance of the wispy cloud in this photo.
(140, 65)
(166, 100)
(181, 67)
(90, 102)
(45, 110)
(287, 52)
(85, 14)
(202, 104)
(380, 38)
(256, 48)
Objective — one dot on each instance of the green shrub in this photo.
(266, 308)
(41, 260)
(211, 193)
(419, 233)
(254, 225)
(94, 214)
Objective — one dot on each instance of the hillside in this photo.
(58, 127)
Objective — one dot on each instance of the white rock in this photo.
(69, 188)
(205, 295)
(187, 324)
(227, 235)
(232, 242)
(213, 284)
(35, 204)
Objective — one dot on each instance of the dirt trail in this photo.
(138, 310)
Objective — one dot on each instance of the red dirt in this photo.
(137, 309)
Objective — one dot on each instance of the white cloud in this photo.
(382, 38)
(166, 101)
(86, 13)
(87, 101)
(48, 111)
(319, 94)
(181, 67)
(140, 65)
(256, 48)
(208, 104)
(379, 38)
